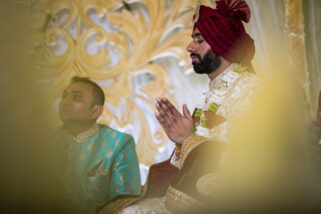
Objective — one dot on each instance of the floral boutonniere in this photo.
(239, 68)
(206, 119)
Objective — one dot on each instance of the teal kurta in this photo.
(96, 166)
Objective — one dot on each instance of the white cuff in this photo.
(175, 161)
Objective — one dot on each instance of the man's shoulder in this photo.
(248, 76)
(111, 133)
(247, 81)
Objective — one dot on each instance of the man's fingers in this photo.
(171, 107)
(157, 105)
(161, 108)
(186, 112)
(161, 120)
(164, 111)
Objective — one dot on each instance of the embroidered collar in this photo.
(216, 88)
(226, 78)
(214, 93)
(84, 135)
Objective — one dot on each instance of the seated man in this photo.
(221, 49)
(95, 163)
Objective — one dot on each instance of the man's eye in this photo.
(77, 97)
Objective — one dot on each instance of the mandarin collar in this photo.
(226, 77)
(83, 135)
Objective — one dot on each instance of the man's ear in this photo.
(96, 111)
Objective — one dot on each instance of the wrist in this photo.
(178, 150)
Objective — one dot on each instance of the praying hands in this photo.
(177, 126)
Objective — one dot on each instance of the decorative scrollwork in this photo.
(114, 43)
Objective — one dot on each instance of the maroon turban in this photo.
(223, 30)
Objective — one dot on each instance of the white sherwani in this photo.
(226, 96)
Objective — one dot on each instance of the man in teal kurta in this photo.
(96, 164)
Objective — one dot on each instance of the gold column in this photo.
(295, 35)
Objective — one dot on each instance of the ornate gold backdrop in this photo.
(121, 45)
(116, 43)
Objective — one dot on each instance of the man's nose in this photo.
(190, 47)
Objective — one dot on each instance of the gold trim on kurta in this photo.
(177, 200)
(84, 135)
(119, 204)
(190, 143)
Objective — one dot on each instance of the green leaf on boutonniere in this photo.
(197, 113)
(239, 68)
(213, 107)
(203, 123)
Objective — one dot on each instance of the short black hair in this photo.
(98, 93)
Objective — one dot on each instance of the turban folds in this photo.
(223, 30)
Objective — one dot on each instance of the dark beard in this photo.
(210, 62)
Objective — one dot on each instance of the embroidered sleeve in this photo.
(190, 143)
(177, 200)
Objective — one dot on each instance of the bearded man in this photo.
(222, 50)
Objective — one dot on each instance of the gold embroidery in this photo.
(177, 200)
(117, 143)
(104, 172)
(118, 205)
(178, 150)
(190, 143)
(116, 165)
(113, 135)
(109, 153)
(84, 135)
(96, 170)
(127, 138)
